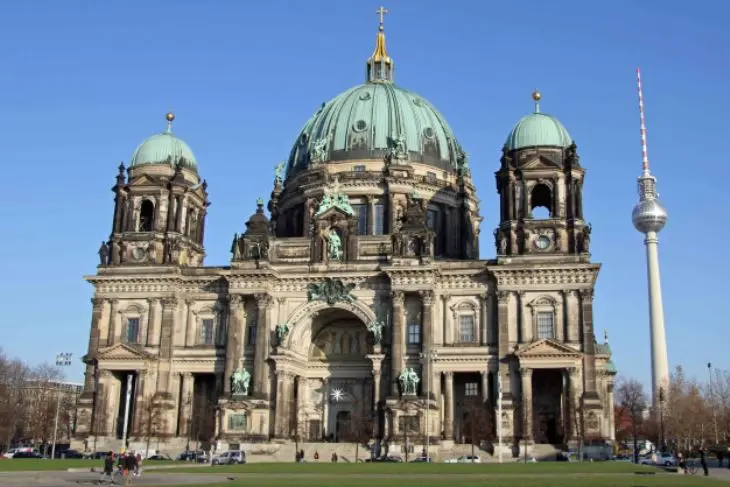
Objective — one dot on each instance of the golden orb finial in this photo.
(536, 95)
(170, 116)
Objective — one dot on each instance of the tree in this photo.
(632, 399)
(202, 420)
(359, 428)
(152, 421)
(477, 422)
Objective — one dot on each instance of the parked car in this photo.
(666, 459)
(69, 454)
(465, 459)
(422, 459)
(26, 454)
(387, 459)
(233, 457)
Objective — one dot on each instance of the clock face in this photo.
(542, 242)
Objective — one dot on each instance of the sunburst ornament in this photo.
(337, 395)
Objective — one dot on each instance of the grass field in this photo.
(29, 464)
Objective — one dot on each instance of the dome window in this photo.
(360, 125)
(428, 132)
(541, 200)
(365, 96)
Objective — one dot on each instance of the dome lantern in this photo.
(380, 66)
(538, 130)
(164, 148)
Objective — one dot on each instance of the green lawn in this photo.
(30, 464)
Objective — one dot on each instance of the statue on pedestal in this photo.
(376, 328)
(240, 381)
(409, 382)
(281, 331)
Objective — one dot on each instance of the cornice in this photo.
(519, 278)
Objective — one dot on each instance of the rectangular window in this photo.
(471, 389)
(414, 334)
(466, 329)
(206, 332)
(431, 176)
(361, 212)
(358, 168)
(132, 330)
(545, 325)
(237, 422)
(252, 335)
(431, 219)
(379, 219)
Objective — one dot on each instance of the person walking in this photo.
(703, 460)
(108, 472)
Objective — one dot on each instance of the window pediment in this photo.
(122, 351)
(547, 348)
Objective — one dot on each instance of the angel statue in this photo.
(376, 328)
(279, 172)
(240, 381)
(281, 330)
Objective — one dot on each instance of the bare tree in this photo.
(152, 421)
(202, 420)
(13, 377)
(359, 428)
(631, 398)
(477, 423)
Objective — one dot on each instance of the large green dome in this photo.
(538, 130)
(164, 148)
(366, 122)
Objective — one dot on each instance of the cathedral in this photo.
(356, 294)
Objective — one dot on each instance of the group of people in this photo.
(126, 464)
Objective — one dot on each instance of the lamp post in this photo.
(428, 356)
(661, 418)
(712, 405)
(62, 360)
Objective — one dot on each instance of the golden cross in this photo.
(381, 12)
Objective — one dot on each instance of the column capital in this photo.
(503, 297)
(370, 199)
(572, 372)
(169, 302)
(448, 375)
(586, 295)
(264, 300)
(445, 297)
(97, 302)
(526, 372)
(426, 297)
(398, 298)
(154, 301)
(235, 300)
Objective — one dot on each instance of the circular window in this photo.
(428, 132)
(364, 96)
(360, 125)
(542, 242)
(417, 102)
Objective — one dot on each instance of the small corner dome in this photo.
(538, 130)
(164, 148)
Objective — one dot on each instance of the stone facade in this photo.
(179, 330)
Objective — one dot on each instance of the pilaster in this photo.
(234, 341)
(113, 318)
(503, 345)
(589, 345)
(190, 332)
(263, 303)
(153, 322)
(167, 328)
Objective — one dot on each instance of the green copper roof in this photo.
(164, 148)
(375, 121)
(538, 130)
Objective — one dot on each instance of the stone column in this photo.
(263, 302)
(573, 316)
(153, 322)
(325, 407)
(234, 341)
(510, 200)
(111, 337)
(371, 214)
(427, 298)
(589, 344)
(280, 422)
(191, 338)
(179, 213)
(449, 406)
(560, 318)
(445, 332)
(573, 400)
(186, 409)
(525, 317)
(96, 314)
(503, 345)
(527, 432)
(397, 345)
(611, 417)
(485, 386)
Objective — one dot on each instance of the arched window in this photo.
(146, 216)
(541, 202)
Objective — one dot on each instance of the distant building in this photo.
(40, 400)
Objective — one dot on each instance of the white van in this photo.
(233, 457)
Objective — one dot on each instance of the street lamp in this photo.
(661, 418)
(428, 356)
(62, 360)
(712, 398)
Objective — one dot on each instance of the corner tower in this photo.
(160, 206)
(540, 184)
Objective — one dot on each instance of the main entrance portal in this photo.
(337, 379)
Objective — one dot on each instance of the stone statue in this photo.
(104, 253)
(376, 328)
(240, 381)
(331, 291)
(279, 172)
(236, 248)
(586, 238)
(318, 152)
(502, 245)
(335, 244)
(408, 382)
(281, 331)
(398, 151)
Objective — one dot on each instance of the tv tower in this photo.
(649, 217)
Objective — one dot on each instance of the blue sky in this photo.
(84, 82)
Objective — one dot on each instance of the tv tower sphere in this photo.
(649, 216)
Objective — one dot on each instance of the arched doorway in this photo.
(343, 426)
